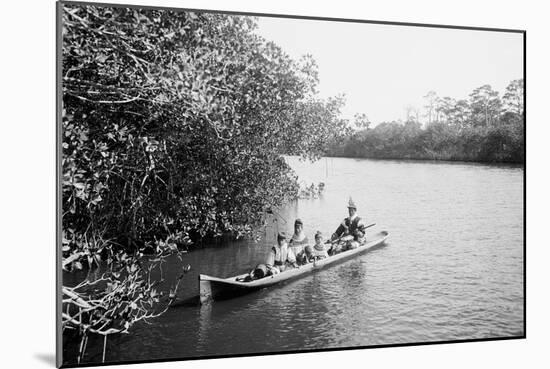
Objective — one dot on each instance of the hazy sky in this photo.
(383, 68)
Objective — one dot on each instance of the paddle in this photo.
(339, 238)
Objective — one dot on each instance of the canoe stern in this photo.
(212, 288)
(205, 289)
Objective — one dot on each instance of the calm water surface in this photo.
(451, 269)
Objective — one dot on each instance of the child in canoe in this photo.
(319, 250)
(305, 256)
(316, 252)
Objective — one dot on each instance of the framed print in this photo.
(238, 184)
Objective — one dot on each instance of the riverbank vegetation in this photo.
(173, 130)
(484, 128)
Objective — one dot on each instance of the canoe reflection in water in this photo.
(213, 288)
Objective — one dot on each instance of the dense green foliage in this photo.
(484, 128)
(174, 124)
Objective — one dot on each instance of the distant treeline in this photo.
(483, 128)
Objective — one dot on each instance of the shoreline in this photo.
(435, 160)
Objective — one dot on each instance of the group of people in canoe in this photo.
(291, 252)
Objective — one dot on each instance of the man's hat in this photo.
(298, 221)
(351, 204)
(318, 234)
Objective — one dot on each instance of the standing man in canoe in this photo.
(352, 225)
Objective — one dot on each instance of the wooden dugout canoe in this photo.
(213, 288)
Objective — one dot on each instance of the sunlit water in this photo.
(451, 269)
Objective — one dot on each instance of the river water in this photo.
(451, 269)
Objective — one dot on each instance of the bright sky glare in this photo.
(384, 68)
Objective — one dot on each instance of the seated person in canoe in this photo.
(305, 256)
(319, 250)
(299, 239)
(352, 225)
(259, 272)
(281, 255)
